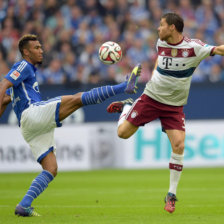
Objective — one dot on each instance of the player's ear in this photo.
(172, 27)
(25, 52)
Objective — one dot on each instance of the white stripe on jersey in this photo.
(26, 94)
(21, 66)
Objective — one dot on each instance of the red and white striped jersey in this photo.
(171, 78)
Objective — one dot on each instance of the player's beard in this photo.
(40, 62)
(165, 36)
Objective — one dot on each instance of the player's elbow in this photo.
(6, 100)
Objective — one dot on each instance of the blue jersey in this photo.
(25, 90)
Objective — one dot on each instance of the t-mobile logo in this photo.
(167, 62)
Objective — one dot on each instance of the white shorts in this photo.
(38, 122)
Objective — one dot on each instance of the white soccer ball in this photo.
(110, 53)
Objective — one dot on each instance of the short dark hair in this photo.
(173, 18)
(24, 40)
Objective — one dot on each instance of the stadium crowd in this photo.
(71, 32)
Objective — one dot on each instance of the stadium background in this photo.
(71, 32)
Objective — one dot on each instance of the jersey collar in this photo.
(176, 43)
(34, 68)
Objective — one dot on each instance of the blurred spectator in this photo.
(171, 6)
(112, 75)
(94, 77)
(136, 52)
(3, 10)
(187, 12)
(3, 66)
(138, 11)
(205, 68)
(206, 20)
(54, 74)
(76, 17)
(69, 67)
(216, 73)
(219, 9)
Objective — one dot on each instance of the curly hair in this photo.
(24, 40)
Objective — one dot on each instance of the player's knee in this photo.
(122, 133)
(179, 147)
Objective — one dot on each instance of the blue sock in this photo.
(38, 185)
(98, 95)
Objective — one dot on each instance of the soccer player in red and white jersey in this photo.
(166, 93)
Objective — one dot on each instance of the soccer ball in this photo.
(110, 53)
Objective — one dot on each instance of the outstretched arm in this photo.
(4, 98)
(219, 50)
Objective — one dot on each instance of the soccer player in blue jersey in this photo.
(166, 93)
(38, 119)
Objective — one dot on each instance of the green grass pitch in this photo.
(118, 197)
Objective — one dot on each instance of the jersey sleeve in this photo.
(203, 50)
(19, 73)
(8, 92)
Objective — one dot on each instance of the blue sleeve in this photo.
(19, 73)
(8, 92)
